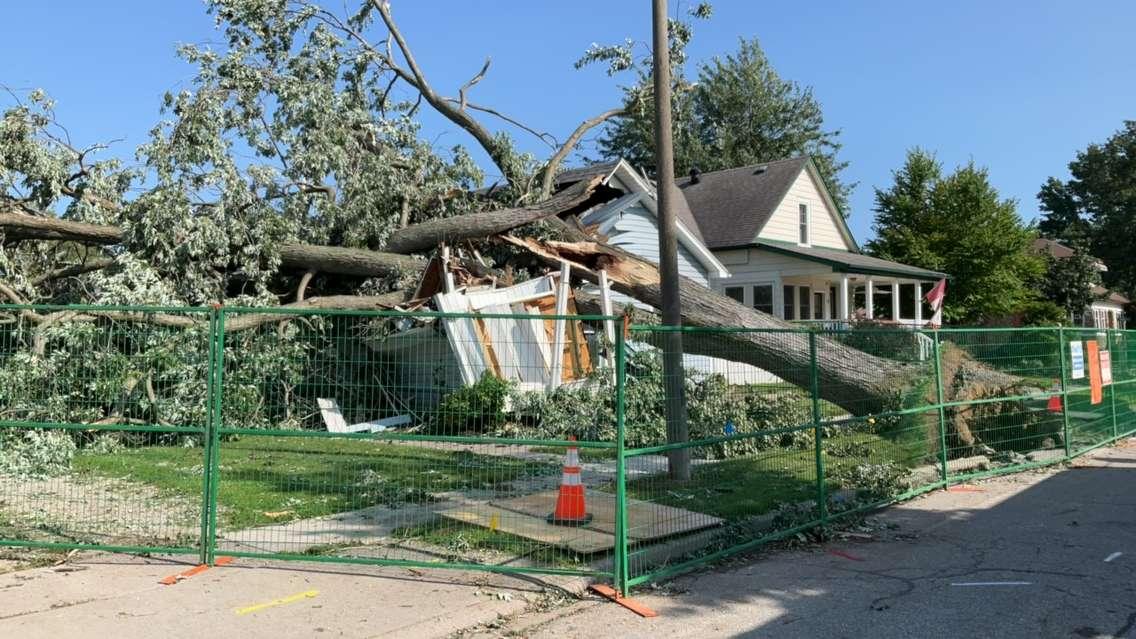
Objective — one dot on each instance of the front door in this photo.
(818, 305)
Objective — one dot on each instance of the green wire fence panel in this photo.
(512, 439)
(104, 417)
(418, 439)
(1011, 414)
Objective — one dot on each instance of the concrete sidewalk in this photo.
(1027, 555)
(120, 597)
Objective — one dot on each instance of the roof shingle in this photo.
(731, 206)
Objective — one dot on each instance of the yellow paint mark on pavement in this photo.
(494, 523)
(300, 596)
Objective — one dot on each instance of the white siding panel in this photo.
(765, 264)
(824, 230)
(636, 233)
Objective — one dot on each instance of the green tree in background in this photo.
(1069, 281)
(739, 111)
(958, 224)
(1099, 203)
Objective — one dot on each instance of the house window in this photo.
(803, 222)
(805, 294)
(788, 297)
(763, 298)
(736, 293)
(834, 305)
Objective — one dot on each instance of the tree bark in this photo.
(857, 381)
(427, 235)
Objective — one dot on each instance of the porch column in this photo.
(842, 307)
(895, 301)
(869, 300)
(918, 304)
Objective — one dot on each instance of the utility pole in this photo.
(673, 379)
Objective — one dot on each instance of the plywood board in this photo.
(581, 540)
(645, 521)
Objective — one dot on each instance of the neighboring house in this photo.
(1107, 309)
(768, 236)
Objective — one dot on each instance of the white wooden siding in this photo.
(636, 233)
(760, 265)
(784, 224)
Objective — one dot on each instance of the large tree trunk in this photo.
(428, 235)
(336, 260)
(859, 382)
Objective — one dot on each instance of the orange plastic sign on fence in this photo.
(1092, 350)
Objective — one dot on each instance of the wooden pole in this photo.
(679, 459)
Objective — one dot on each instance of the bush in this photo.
(475, 409)
(35, 454)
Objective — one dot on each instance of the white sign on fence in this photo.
(1106, 368)
(1077, 359)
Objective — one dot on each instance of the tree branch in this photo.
(554, 162)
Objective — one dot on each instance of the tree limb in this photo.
(425, 235)
(554, 162)
(497, 152)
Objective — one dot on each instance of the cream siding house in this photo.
(768, 236)
(789, 251)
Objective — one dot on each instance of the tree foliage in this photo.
(1069, 281)
(739, 111)
(959, 225)
(1098, 204)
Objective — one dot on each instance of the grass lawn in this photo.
(586, 454)
(297, 478)
(755, 484)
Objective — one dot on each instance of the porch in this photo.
(817, 284)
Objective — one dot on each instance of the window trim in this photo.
(804, 224)
(772, 296)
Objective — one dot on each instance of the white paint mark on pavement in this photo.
(1112, 556)
(994, 583)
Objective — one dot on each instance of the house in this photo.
(1107, 308)
(767, 235)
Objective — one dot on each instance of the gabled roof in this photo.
(1052, 247)
(626, 173)
(849, 262)
(731, 206)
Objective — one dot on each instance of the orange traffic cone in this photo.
(570, 509)
(1054, 405)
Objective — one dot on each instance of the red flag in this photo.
(935, 298)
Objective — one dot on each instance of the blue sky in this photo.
(1018, 87)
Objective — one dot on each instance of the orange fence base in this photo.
(634, 606)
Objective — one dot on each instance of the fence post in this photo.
(1064, 389)
(207, 438)
(216, 421)
(1112, 384)
(937, 348)
(621, 572)
(818, 432)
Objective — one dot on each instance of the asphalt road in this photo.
(1029, 555)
